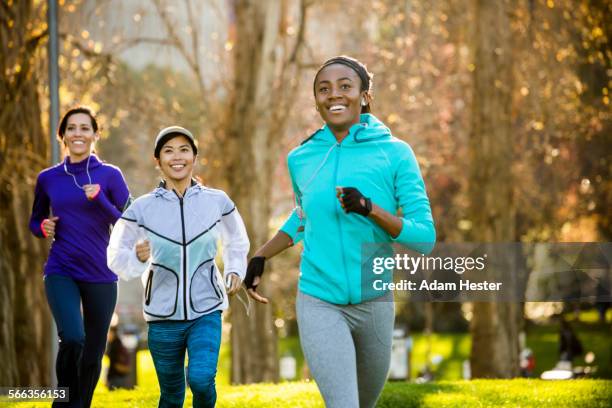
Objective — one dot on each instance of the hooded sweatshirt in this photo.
(382, 168)
(83, 229)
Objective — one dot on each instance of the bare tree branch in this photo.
(133, 42)
(194, 41)
(304, 5)
(191, 59)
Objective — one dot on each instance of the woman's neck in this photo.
(179, 186)
(341, 132)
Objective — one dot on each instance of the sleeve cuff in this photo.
(420, 238)
(102, 200)
(42, 230)
(97, 193)
(403, 236)
(291, 227)
(227, 275)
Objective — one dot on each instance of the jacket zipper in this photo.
(184, 245)
(348, 286)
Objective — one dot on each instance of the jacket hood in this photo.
(169, 194)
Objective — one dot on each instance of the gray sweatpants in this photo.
(347, 347)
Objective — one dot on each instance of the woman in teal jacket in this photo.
(350, 178)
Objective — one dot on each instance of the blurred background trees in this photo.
(24, 317)
(532, 81)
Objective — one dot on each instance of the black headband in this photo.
(355, 65)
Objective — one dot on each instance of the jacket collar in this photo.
(164, 192)
(78, 167)
(369, 128)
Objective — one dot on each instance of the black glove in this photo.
(255, 268)
(354, 201)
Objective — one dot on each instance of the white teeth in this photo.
(337, 108)
(177, 166)
(78, 142)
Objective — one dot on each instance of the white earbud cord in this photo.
(247, 306)
(73, 177)
(298, 197)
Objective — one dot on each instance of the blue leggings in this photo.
(82, 336)
(201, 338)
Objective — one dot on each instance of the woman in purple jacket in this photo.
(75, 204)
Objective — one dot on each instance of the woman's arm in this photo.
(119, 192)
(117, 200)
(418, 232)
(415, 229)
(121, 253)
(235, 248)
(289, 234)
(255, 269)
(40, 210)
(274, 246)
(390, 223)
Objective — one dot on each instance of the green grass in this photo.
(449, 391)
(480, 393)
(499, 393)
(453, 347)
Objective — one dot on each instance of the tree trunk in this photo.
(24, 317)
(256, 120)
(494, 325)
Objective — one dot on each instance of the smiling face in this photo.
(79, 136)
(176, 160)
(338, 97)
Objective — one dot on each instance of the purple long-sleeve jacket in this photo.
(83, 229)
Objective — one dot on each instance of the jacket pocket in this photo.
(205, 294)
(161, 291)
(147, 291)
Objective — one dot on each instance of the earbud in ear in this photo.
(363, 102)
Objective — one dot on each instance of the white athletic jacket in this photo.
(182, 281)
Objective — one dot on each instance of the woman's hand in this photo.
(91, 191)
(234, 284)
(276, 245)
(253, 277)
(143, 250)
(48, 227)
(352, 200)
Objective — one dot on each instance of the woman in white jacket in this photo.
(169, 237)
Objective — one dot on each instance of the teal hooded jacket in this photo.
(382, 168)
